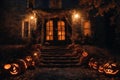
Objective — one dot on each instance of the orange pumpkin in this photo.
(111, 68)
(12, 69)
(93, 63)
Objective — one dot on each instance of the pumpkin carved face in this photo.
(15, 69)
(12, 69)
(111, 68)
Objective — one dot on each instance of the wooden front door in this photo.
(55, 32)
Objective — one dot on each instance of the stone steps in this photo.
(58, 57)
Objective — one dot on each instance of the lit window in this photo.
(61, 30)
(49, 30)
(87, 28)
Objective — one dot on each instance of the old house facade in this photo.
(55, 25)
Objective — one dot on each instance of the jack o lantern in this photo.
(101, 69)
(29, 61)
(111, 68)
(93, 63)
(12, 69)
(15, 69)
(18, 66)
(36, 55)
(84, 54)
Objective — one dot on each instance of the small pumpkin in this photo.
(84, 54)
(36, 55)
(93, 63)
(29, 61)
(101, 69)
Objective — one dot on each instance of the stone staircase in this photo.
(54, 56)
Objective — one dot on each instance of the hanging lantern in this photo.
(111, 68)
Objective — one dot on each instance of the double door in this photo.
(55, 32)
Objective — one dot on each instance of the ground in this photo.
(68, 73)
(62, 74)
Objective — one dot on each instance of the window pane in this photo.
(49, 30)
(47, 37)
(61, 30)
(63, 33)
(63, 38)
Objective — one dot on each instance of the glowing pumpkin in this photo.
(101, 69)
(93, 63)
(29, 61)
(84, 54)
(12, 69)
(36, 55)
(15, 69)
(111, 68)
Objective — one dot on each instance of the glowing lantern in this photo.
(31, 17)
(76, 17)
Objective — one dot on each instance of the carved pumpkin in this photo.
(93, 63)
(12, 69)
(18, 66)
(101, 69)
(84, 54)
(36, 55)
(111, 68)
(29, 61)
(15, 69)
